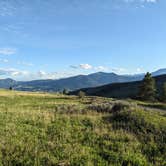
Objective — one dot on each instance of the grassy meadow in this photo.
(40, 129)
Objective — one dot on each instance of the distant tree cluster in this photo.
(148, 89)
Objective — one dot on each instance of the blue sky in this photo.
(42, 39)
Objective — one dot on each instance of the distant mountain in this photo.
(159, 72)
(73, 83)
(6, 83)
(120, 90)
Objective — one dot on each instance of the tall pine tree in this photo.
(164, 93)
(148, 88)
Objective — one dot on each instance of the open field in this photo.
(51, 129)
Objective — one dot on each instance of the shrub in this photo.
(101, 108)
(10, 88)
(81, 94)
(65, 91)
(119, 107)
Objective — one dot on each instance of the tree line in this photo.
(147, 90)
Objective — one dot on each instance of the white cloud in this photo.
(7, 51)
(85, 66)
(27, 75)
(141, 1)
(138, 69)
(150, 1)
(25, 63)
(119, 70)
(89, 67)
(82, 66)
(49, 75)
(12, 72)
(101, 68)
(124, 71)
(41, 74)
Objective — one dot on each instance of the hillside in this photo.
(120, 90)
(73, 83)
(6, 83)
(50, 129)
(159, 72)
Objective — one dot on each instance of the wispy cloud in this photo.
(82, 66)
(12, 7)
(119, 70)
(6, 8)
(4, 60)
(150, 1)
(27, 75)
(87, 66)
(25, 63)
(12, 72)
(42, 74)
(50, 75)
(140, 1)
(121, 4)
(7, 51)
(101, 68)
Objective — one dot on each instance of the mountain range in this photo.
(74, 83)
(121, 90)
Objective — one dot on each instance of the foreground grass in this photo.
(49, 129)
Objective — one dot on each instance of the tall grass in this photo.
(49, 129)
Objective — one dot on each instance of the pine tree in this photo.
(148, 88)
(164, 92)
(10, 88)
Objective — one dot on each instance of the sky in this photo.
(52, 39)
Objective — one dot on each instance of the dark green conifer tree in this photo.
(164, 92)
(148, 88)
(65, 91)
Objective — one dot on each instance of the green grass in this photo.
(50, 129)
